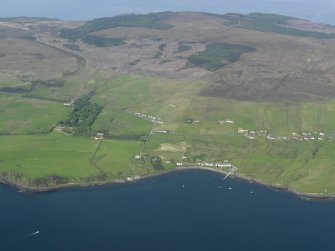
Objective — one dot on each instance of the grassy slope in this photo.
(118, 124)
(77, 158)
(74, 86)
(10, 80)
(28, 116)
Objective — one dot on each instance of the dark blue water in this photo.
(191, 210)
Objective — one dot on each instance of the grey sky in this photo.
(318, 10)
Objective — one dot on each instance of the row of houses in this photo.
(224, 164)
(217, 164)
(149, 117)
(165, 132)
(247, 132)
(305, 136)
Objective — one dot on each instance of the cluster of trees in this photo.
(83, 115)
(83, 32)
(162, 46)
(156, 162)
(188, 121)
(74, 35)
(161, 49)
(218, 55)
(184, 47)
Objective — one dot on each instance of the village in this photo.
(225, 166)
(250, 134)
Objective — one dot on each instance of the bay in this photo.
(186, 210)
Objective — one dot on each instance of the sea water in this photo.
(186, 210)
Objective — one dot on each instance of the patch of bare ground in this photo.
(29, 60)
(142, 53)
(282, 68)
(12, 31)
(179, 148)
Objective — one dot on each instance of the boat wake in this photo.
(30, 235)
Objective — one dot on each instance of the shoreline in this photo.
(308, 196)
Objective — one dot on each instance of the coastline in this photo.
(302, 195)
(307, 196)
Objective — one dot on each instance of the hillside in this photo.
(251, 94)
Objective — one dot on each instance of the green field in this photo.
(56, 158)
(29, 116)
(10, 82)
(74, 159)
(118, 124)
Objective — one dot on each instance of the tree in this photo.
(156, 162)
